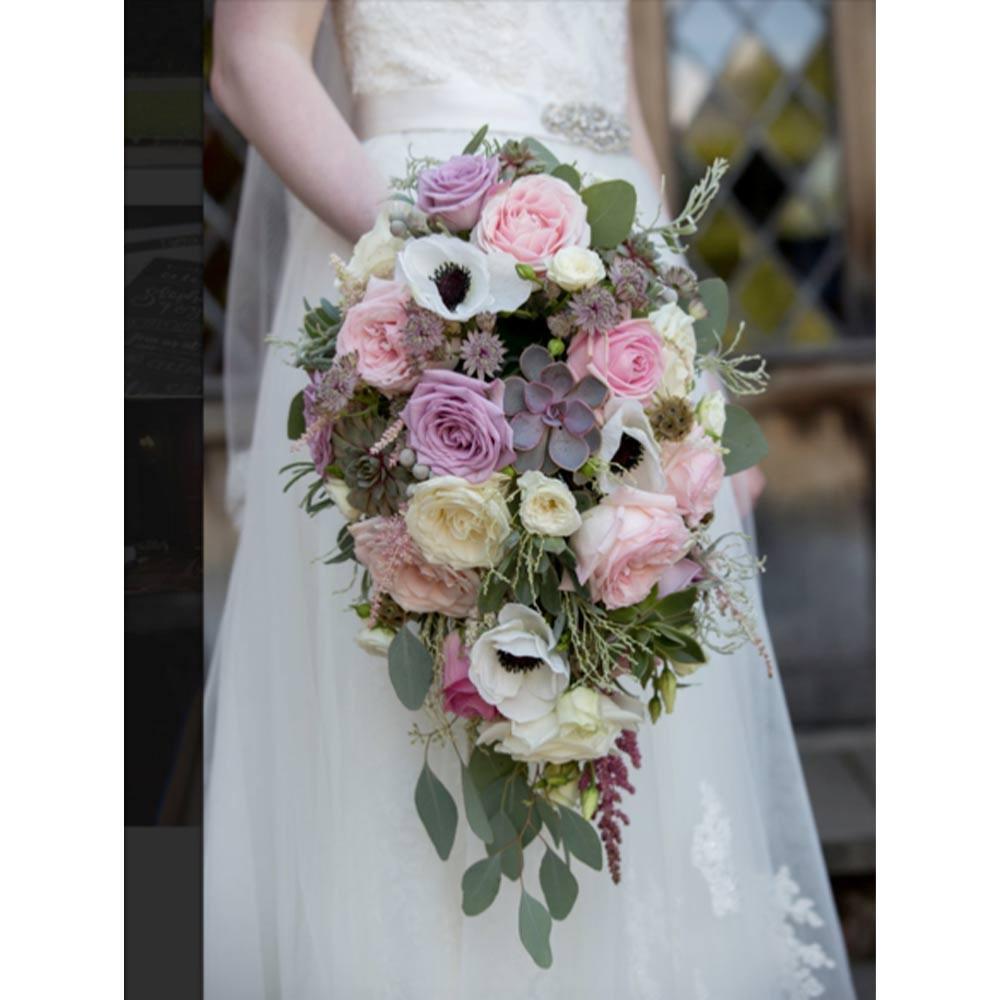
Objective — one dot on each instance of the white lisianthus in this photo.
(547, 505)
(375, 640)
(680, 346)
(566, 795)
(337, 490)
(582, 725)
(711, 414)
(375, 253)
(457, 523)
(627, 435)
(515, 666)
(575, 268)
(457, 280)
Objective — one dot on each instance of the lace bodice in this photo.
(557, 52)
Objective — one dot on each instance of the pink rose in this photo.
(626, 543)
(398, 568)
(454, 191)
(460, 694)
(373, 329)
(628, 359)
(680, 576)
(532, 219)
(457, 427)
(694, 470)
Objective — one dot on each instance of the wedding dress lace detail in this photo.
(712, 853)
(556, 52)
(800, 958)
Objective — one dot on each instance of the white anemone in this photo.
(457, 280)
(626, 418)
(515, 666)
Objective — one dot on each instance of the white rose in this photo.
(457, 523)
(680, 346)
(547, 505)
(515, 666)
(573, 268)
(582, 725)
(375, 253)
(375, 640)
(627, 434)
(337, 490)
(711, 413)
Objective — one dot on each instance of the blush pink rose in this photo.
(460, 694)
(628, 360)
(398, 568)
(373, 329)
(533, 218)
(680, 576)
(626, 543)
(694, 470)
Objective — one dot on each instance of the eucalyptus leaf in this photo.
(610, 212)
(506, 846)
(744, 440)
(491, 597)
(543, 154)
(714, 294)
(475, 812)
(296, 417)
(480, 885)
(558, 884)
(569, 174)
(437, 811)
(476, 141)
(549, 591)
(411, 669)
(535, 925)
(486, 766)
(550, 818)
(581, 838)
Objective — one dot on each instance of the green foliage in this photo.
(542, 154)
(476, 141)
(743, 439)
(581, 838)
(558, 884)
(535, 925)
(506, 846)
(711, 330)
(610, 212)
(296, 417)
(475, 812)
(480, 885)
(568, 173)
(318, 336)
(411, 669)
(437, 811)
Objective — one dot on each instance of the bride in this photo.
(319, 880)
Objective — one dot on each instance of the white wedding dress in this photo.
(320, 881)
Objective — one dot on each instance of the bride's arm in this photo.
(263, 78)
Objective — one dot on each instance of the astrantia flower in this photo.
(515, 666)
(482, 354)
(457, 280)
(423, 333)
(594, 310)
(630, 280)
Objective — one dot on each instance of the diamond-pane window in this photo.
(752, 80)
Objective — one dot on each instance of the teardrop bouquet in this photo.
(502, 400)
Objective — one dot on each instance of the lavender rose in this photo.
(454, 192)
(457, 427)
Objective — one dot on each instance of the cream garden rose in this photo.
(582, 725)
(457, 523)
(680, 346)
(575, 268)
(711, 414)
(375, 640)
(375, 253)
(547, 505)
(337, 490)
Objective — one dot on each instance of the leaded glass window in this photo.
(753, 80)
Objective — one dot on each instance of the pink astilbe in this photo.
(611, 773)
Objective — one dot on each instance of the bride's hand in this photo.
(263, 78)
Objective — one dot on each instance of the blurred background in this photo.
(784, 89)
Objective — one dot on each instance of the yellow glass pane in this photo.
(721, 244)
(750, 75)
(813, 329)
(819, 71)
(799, 220)
(766, 296)
(713, 134)
(796, 133)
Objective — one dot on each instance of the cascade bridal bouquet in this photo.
(504, 405)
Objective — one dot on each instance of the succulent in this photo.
(378, 482)
(551, 414)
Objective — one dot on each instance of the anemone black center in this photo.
(517, 664)
(629, 453)
(453, 281)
